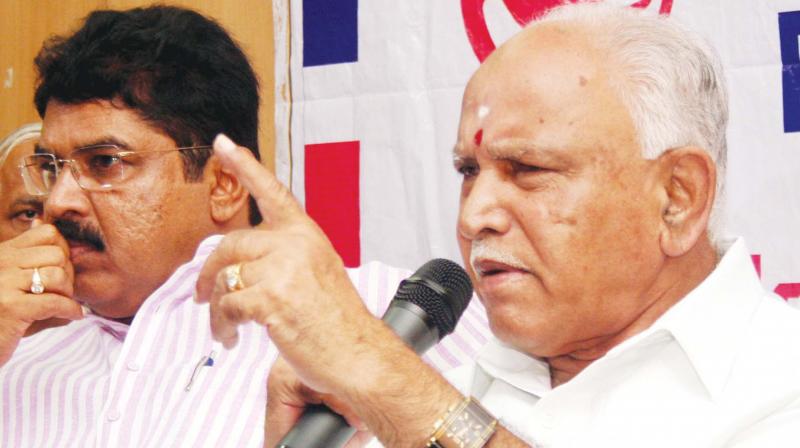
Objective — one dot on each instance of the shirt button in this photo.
(133, 366)
(113, 415)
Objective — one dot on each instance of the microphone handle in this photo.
(320, 427)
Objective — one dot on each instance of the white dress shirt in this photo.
(721, 368)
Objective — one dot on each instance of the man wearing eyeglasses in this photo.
(135, 203)
(132, 197)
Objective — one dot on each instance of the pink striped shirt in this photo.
(100, 383)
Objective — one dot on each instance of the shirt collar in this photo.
(707, 324)
(499, 360)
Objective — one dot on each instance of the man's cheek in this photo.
(465, 247)
(136, 226)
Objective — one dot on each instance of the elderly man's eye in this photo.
(467, 169)
(26, 216)
(523, 168)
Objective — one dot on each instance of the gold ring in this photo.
(233, 277)
(37, 286)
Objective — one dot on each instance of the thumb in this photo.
(275, 202)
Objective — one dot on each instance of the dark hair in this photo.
(179, 70)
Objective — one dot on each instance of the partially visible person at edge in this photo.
(135, 202)
(19, 208)
(592, 149)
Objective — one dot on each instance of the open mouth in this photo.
(489, 268)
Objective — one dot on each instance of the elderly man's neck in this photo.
(679, 276)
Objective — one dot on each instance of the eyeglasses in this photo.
(95, 168)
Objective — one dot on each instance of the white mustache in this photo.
(481, 250)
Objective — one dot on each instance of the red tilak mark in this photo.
(478, 137)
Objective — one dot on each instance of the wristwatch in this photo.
(465, 425)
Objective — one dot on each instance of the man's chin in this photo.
(95, 291)
(104, 303)
(523, 330)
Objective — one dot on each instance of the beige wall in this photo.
(25, 24)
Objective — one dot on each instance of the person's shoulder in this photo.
(770, 348)
(53, 341)
(776, 320)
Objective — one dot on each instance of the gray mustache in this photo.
(482, 250)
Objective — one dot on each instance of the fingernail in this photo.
(86, 310)
(224, 144)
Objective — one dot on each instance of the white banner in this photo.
(389, 76)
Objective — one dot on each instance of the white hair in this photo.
(669, 78)
(21, 134)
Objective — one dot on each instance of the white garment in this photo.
(721, 368)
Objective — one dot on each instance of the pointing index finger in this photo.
(275, 202)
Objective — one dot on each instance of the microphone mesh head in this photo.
(441, 288)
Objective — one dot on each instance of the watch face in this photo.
(465, 430)
(472, 427)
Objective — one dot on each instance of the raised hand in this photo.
(36, 281)
(286, 276)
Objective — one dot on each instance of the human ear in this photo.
(228, 197)
(689, 178)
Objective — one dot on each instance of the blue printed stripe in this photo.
(789, 24)
(330, 32)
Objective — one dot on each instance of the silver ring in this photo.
(233, 277)
(37, 286)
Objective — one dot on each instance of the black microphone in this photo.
(425, 309)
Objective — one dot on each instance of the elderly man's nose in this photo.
(483, 208)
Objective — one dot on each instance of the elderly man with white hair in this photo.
(592, 150)
(18, 209)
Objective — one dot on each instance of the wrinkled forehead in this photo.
(550, 87)
(543, 58)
